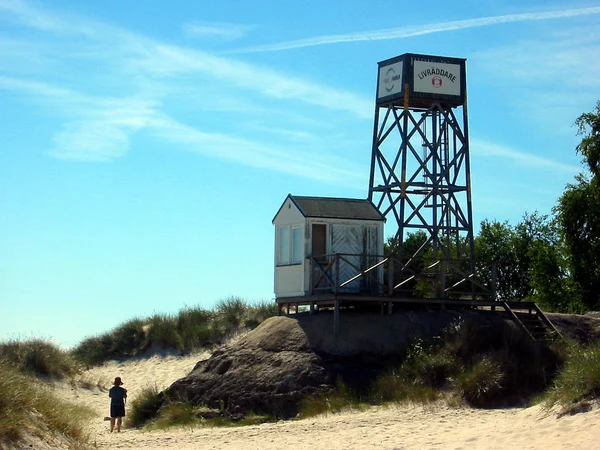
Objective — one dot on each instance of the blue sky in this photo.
(145, 148)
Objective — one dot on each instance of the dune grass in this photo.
(474, 362)
(39, 357)
(26, 403)
(578, 381)
(144, 407)
(188, 330)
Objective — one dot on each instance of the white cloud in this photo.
(523, 159)
(90, 142)
(137, 82)
(405, 32)
(223, 30)
(164, 60)
(294, 161)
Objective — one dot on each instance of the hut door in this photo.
(319, 241)
(349, 242)
(321, 279)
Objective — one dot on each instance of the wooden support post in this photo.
(494, 280)
(391, 277)
(336, 317)
(443, 280)
(312, 307)
(337, 273)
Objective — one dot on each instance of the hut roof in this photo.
(336, 208)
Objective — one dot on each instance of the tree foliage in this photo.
(578, 212)
(552, 261)
(530, 262)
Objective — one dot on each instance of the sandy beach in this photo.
(406, 427)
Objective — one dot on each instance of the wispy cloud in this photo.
(103, 129)
(96, 128)
(545, 80)
(139, 87)
(523, 159)
(405, 32)
(90, 141)
(222, 30)
(294, 161)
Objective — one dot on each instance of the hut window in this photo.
(297, 245)
(283, 254)
(289, 246)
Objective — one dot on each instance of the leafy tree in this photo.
(578, 212)
(530, 260)
(416, 242)
(494, 245)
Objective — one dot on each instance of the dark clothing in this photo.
(117, 401)
(117, 410)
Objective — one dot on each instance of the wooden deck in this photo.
(527, 315)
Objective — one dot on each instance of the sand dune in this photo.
(415, 427)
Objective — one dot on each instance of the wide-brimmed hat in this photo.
(118, 381)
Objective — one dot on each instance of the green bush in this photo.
(484, 363)
(144, 406)
(195, 326)
(259, 312)
(189, 330)
(418, 378)
(129, 338)
(517, 367)
(163, 333)
(230, 314)
(39, 357)
(481, 382)
(95, 350)
(395, 386)
(340, 399)
(429, 366)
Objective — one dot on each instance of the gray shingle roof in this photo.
(336, 208)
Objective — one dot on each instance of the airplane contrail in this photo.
(404, 32)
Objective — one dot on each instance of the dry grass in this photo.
(26, 405)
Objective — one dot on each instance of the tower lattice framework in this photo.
(420, 179)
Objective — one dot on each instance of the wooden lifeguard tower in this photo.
(329, 252)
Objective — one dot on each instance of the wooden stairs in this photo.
(532, 320)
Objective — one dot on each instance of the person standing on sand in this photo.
(118, 397)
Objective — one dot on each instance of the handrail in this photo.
(319, 272)
(516, 319)
(546, 320)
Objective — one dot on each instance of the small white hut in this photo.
(323, 244)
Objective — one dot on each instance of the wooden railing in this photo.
(388, 275)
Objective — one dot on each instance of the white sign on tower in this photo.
(390, 80)
(436, 78)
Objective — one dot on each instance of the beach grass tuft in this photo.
(39, 357)
(191, 329)
(340, 399)
(578, 381)
(27, 404)
(145, 406)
